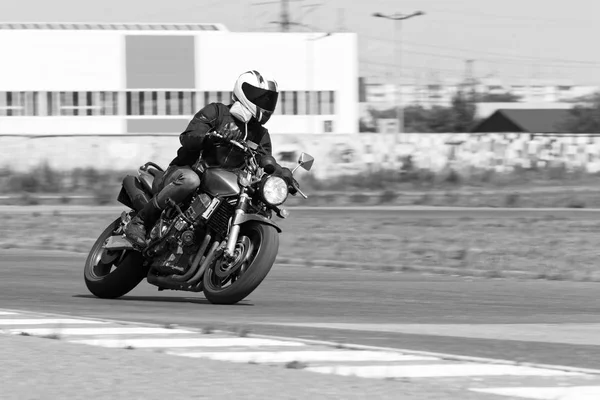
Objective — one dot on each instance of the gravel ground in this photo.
(38, 368)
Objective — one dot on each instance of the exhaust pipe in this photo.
(209, 259)
(195, 263)
(167, 283)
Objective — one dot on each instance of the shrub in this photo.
(359, 198)
(388, 196)
(512, 199)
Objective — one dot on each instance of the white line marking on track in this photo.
(47, 321)
(305, 356)
(8, 313)
(547, 393)
(436, 371)
(188, 342)
(135, 330)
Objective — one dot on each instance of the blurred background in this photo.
(490, 108)
(390, 98)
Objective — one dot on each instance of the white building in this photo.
(151, 78)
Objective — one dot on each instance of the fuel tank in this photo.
(219, 182)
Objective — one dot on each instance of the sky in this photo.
(517, 41)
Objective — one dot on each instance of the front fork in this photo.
(234, 232)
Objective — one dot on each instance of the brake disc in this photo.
(243, 250)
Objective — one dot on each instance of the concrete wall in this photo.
(334, 154)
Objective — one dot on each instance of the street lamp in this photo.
(397, 39)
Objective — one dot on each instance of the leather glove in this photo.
(232, 132)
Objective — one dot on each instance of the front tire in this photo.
(115, 275)
(265, 240)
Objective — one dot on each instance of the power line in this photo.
(511, 17)
(497, 60)
(503, 55)
(483, 24)
(458, 72)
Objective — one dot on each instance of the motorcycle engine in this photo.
(175, 252)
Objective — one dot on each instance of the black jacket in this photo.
(216, 116)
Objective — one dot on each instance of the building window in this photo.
(88, 103)
(180, 103)
(52, 102)
(67, 103)
(213, 97)
(327, 103)
(10, 104)
(194, 103)
(319, 103)
(109, 103)
(154, 103)
(132, 103)
(18, 104)
(149, 103)
(301, 108)
(282, 102)
(295, 103)
(313, 103)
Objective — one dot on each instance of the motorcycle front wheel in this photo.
(257, 249)
(112, 274)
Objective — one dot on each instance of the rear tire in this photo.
(105, 282)
(267, 240)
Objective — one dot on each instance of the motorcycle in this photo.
(221, 241)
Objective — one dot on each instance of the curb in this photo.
(443, 356)
(348, 346)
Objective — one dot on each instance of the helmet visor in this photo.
(263, 98)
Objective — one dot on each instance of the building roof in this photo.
(529, 120)
(485, 109)
(113, 26)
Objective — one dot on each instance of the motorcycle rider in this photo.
(254, 100)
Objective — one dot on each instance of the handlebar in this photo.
(245, 148)
(233, 142)
(297, 187)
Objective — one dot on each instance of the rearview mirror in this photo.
(306, 161)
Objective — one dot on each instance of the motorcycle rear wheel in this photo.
(265, 246)
(120, 271)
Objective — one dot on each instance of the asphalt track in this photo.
(406, 211)
(503, 319)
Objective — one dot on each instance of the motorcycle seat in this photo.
(150, 180)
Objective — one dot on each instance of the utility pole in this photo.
(341, 20)
(469, 80)
(398, 18)
(285, 15)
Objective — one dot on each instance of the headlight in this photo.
(274, 190)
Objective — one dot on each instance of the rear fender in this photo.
(243, 218)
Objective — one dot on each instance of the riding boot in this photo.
(145, 218)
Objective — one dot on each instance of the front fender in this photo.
(243, 218)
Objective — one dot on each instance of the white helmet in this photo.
(257, 94)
